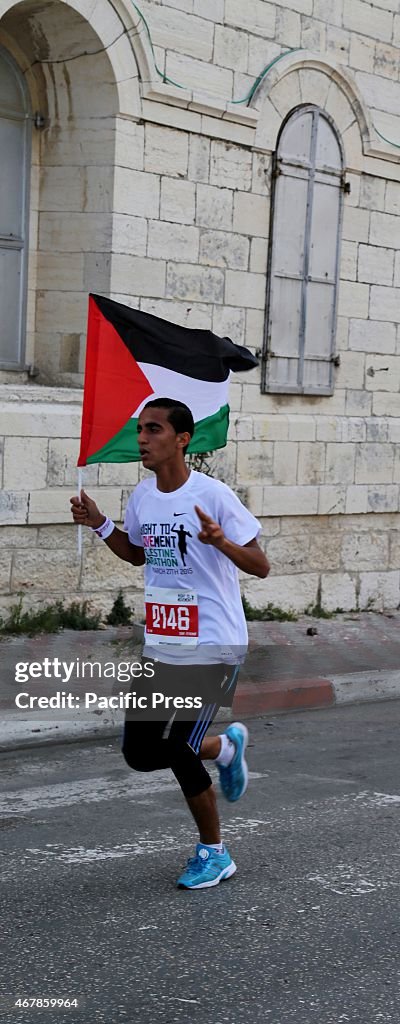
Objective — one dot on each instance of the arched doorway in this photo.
(15, 126)
(77, 71)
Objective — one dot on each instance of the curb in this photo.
(252, 699)
(286, 695)
(18, 733)
(280, 696)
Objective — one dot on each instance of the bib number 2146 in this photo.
(172, 616)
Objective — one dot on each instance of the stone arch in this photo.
(78, 60)
(98, 25)
(304, 78)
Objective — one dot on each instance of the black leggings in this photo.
(149, 746)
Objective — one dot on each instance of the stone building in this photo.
(228, 165)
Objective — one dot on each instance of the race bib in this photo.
(172, 616)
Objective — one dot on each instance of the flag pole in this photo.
(80, 531)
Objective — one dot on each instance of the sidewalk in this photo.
(352, 658)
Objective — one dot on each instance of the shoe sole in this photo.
(245, 731)
(225, 874)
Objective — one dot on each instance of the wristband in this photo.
(105, 530)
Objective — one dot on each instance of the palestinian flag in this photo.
(133, 357)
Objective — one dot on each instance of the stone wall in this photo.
(332, 536)
(160, 196)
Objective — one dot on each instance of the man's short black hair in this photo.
(179, 415)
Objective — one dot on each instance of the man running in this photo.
(195, 625)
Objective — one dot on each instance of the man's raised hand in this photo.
(211, 532)
(85, 512)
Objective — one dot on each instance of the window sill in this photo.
(14, 376)
(18, 391)
(311, 392)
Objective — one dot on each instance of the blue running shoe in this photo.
(234, 778)
(207, 868)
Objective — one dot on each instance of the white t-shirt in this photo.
(166, 525)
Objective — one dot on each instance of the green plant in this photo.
(78, 616)
(269, 614)
(45, 620)
(48, 619)
(320, 613)
(120, 614)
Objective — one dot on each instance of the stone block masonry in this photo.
(329, 508)
(161, 197)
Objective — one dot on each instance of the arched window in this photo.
(14, 142)
(303, 264)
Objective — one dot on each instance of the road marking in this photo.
(379, 799)
(145, 844)
(315, 778)
(346, 883)
(179, 999)
(66, 794)
(349, 880)
(342, 880)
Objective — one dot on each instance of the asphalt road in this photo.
(306, 931)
